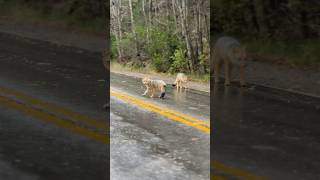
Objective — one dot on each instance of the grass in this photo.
(205, 78)
(293, 53)
(17, 12)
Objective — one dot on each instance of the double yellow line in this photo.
(193, 122)
(174, 115)
(67, 119)
(54, 114)
(232, 171)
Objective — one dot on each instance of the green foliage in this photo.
(273, 19)
(159, 64)
(159, 42)
(127, 45)
(114, 53)
(274, 29)
(180, 63)
(293, 52)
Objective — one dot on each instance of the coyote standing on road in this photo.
(181, 81)
(154, 86)
(228, 50)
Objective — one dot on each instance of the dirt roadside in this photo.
(291, 79)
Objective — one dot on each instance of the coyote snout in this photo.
(229, 52)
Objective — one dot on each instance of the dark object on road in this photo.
(162, 95)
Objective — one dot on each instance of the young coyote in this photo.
(154, 86)
(228, 51)
(181, 81)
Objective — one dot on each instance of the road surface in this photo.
(158, 139)
(52, 125)
(263, 133)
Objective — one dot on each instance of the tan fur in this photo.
(153, 86)
(181, 81)
(229, 52)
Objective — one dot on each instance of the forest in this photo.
(286, 31)
(86, 14)
(173, 35)
(167, 36)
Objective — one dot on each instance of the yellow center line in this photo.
(102, 124)
(213, 177)
(188, 120)
(232, 171)
(4, 101)
(160, 108)
(103, 138)
(239, 173)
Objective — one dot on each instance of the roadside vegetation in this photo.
(81, 14)
(284, 32)
(161, 36)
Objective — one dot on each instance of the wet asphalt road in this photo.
(144, 145)
(32, 148)
(152, 145)
(267, 132)
(256, 130)
(191, 102)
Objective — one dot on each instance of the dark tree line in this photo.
(82, 9)
(277, 19)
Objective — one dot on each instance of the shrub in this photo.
(179, 61)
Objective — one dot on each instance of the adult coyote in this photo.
(181, 81)
(228, 51)
(154, 86)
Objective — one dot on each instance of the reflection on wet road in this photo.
(267, 132)
(190, 102)
(52, 125)
(158, 139)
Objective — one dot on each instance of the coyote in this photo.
(229, 51)
(181, 81)
(154, 86)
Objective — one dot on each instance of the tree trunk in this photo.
(184, 17)
(145, 20)
(134, 32)
(254, 19)
(174, 13)
(116, 15)
(260, 16)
